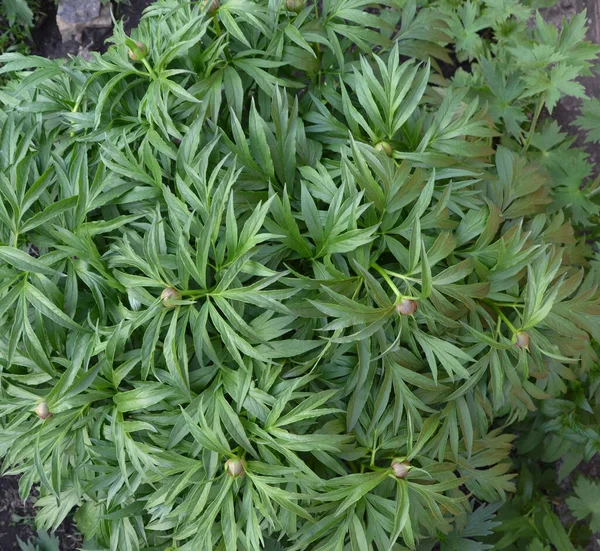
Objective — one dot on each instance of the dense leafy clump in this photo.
(270, 279)
(16, 20)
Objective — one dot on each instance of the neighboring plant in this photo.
(551, 444)
(43, 542)
(585, 505)
(271, 280)
(16, 20)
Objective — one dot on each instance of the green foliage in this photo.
(17, 12)
(590, 119)
(16, 20)
(520, 70)
(43, 542)
(269, 280)
(586, 502)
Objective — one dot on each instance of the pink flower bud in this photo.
(407, 307)
(522, 340)
(385, 147)
(294, 5)
(43, 411)
(169, 296)
(400, 468)
(235, 467)
(139, 52)
(214, 5)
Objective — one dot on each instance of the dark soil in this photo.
(46, 37)
(16, 519)
(131, 13)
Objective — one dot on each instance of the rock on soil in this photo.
(75, 16)
(47, 39)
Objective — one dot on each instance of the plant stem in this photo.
(217, 24)
(501, 315)
(387, 279)
(149, 68)
(536, 116)
(404, 277)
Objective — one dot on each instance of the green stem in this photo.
(404, 277)
(193, 295)
(536, 116)
(501, 315)
(149, 68)
(387, 279)
(357, 290)
(217, 24)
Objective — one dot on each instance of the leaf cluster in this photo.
(278, 282)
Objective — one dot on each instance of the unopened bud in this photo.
(42, 410)
(294, 5)
(138, 52)
(385, 147)
(522, 340)
(214, 5)
(407, 307)
(169, 296)
(234, 467)
(400, 468)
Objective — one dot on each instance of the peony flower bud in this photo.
(169, 296)
(294, 5)
(407, 307)
(522, 340)
(385, 147)
(214, 5)
(42, 410)
(234, 467)
(400, 468)
(139, 52)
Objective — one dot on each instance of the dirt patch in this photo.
(131, 13)
(17, 519)
(46, 37)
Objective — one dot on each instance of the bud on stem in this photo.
(400, 468)
(407, 307)
(43, 411)
(169, 296)
(522, 340)
(214, 5)
(138, 52)
(385, 147)
(294, 5)
(234, 467)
